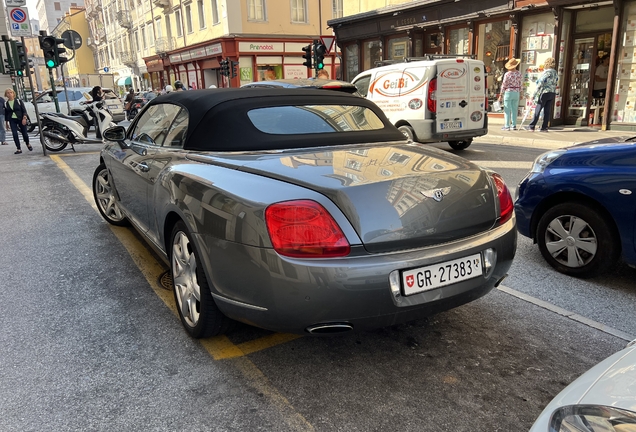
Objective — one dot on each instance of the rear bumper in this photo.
(261, 288)
(426, 131)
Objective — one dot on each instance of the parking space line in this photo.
(219, 347)
(566, 313)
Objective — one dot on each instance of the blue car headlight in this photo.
(545, 159)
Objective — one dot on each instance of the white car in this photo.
(75, 95)
(603, 399)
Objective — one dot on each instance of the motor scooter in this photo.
(60, 130)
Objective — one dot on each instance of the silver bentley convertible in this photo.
(302, 212)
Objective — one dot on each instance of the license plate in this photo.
(442, 274)
(112, 106)
(451, 125)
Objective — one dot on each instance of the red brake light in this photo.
(305, 229)
(431, 99)
(506, 207)
(460, 60)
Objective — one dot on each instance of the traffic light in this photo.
(234, 68)
(8, 66)
(21, 62)
(53, 54)
(47, 43)
(319, 54)
(225, 67)
(307, 56)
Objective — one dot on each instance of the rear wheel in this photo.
(53, 144)
(408, 132)
(460, 145)
(199, 314)
(105, 198)
(578, 240)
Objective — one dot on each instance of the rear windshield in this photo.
(314, 119)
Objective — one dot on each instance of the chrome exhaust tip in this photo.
(55, 136)
(329, 328)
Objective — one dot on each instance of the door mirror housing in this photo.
(115, 133)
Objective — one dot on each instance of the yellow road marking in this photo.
(219, 347)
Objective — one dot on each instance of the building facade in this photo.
(152, 43)
(51, 12)
(580, 35)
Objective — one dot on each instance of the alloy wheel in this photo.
(105, 197)
(184, 275)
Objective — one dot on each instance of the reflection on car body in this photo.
(301, 211)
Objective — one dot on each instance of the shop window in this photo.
(372, 53)
(433, 43)
(269, 72)
(352, 54)
(494, 51)
(594, 19)
(537, 42)
(625, 87)
(458, 41)
(399, 48)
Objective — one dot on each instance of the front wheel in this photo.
(51, 143)
(199, 314)
(105, 197)
(460, 145)
(578, 240)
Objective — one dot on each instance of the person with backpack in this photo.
(15, 114)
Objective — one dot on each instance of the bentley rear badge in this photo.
(436, 194)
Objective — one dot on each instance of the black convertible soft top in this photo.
(218, 119)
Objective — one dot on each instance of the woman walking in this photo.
(544, 95)
(510, 88)
(15, 115)
(3, 131)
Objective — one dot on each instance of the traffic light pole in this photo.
(37, 112)
(52, 80)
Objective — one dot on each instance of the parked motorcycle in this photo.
(60, 130)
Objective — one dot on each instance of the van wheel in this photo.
(460, 145)
(408, 132)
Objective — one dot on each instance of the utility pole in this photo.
(37, 112)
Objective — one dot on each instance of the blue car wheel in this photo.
(578, 240)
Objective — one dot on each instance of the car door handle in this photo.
(143, 167)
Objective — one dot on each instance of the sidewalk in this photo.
(557, 137)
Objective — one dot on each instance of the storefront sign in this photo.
(261, 47)
(215, 49)
(295, 71)
(175, 58)
(409, 19)
(197, 53)
(154, 65)
(185, 56)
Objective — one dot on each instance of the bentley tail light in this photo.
(431, 97)
(506, 207)
(305, 229)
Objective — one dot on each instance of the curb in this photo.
(529, 142)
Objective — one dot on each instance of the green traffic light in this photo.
(50, 64)
(321, 66)
(19, 73)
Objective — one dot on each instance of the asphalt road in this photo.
(90, 340)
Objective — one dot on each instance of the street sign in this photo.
(12, 3)
(72, 39)
(328, 41)
(106, 69)
(19, 23)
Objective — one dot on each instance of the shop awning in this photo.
(124, 81)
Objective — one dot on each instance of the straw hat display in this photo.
(512, 63)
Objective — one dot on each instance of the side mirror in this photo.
(115, 133)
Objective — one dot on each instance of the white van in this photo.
(439, 99)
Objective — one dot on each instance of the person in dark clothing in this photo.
(98, 95)
(15, 115)
(130, 97)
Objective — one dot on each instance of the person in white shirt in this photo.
(600, 78)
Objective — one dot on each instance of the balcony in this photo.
(163, 45)
(124, 19)
(165, 4)
(128, 58)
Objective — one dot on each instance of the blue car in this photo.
(579, 205)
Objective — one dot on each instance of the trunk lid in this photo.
(395, 196)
